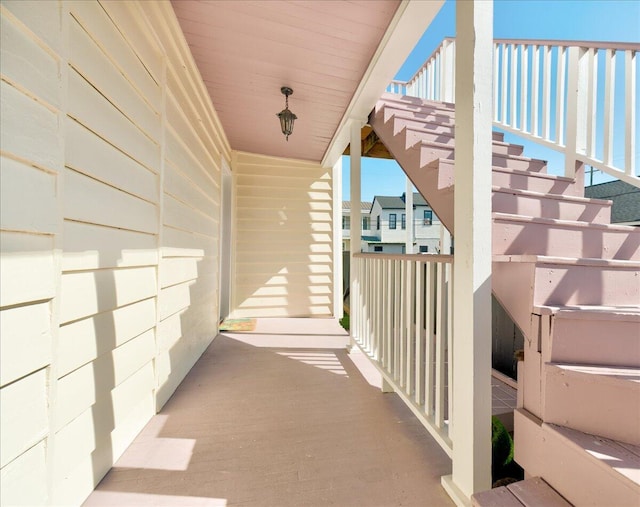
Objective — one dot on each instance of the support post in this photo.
(576, 123)
(408, 219)
(471, 419)
(355, 150)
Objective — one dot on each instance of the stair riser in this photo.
(414, 136)
(442, 115)
(571, 471)
(431, 152)
(522, 165)
(536, 183)
(560, 285)
(549, 207)
(592, 404)
(435, 128)
(607, 342)
(519, 286)
(523, 238)
(414, 103)
(389, 114)
(532, 181)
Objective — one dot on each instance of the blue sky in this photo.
(589, 20)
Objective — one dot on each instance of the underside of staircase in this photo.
(571, 282)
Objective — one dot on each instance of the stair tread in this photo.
(519, 171)
(412, 128)
(545, 259)
(507, 156)
(388, 97)
(533, 193)
(535, 492)
(591, 312)
(613, 372)
(563, 223)
(621, 457)
(528, 493)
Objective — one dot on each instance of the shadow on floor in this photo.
(261, 422)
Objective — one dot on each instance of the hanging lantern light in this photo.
(286, 116)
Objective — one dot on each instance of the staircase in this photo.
(571, 281)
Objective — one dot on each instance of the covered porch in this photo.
(307, 426)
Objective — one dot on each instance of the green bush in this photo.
(502, 464)
(344, 321)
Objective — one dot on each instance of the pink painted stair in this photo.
(571, 281)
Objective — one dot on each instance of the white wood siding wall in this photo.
(110, 202)
(283, 243)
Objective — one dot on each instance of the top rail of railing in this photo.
(423, 257)
(547, 91)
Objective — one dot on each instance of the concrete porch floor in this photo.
(281, 416)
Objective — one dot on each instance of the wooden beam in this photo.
(370, 145)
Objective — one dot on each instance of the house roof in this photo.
(364, 205)
(338, 58)
(625, 197)
(397, 202)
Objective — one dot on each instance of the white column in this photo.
(408, 210)
(338, 289)
(471, 431)
(445, 240)
(356, 222)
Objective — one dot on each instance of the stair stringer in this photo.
(516, 286)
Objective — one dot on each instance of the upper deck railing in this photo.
(579, 98)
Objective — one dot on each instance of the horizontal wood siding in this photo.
(109, 234)
(283, 243)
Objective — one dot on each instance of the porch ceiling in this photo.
(247, 50)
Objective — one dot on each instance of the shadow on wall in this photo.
(284, 242)
(130, 329)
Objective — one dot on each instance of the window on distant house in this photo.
(428, 217)
(346, 223)
(404, 220)
(366, 223)
(424, 248)
(377, 249)
(378, 222)
(392, 220)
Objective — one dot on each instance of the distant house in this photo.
(365, 211)
(384, 225)
(625, 197)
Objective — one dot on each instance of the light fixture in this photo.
(286, 116)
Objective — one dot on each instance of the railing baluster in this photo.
(513, 78)
(409, 326)
(535, 88)
(592, 97)
(496, 67)
(560, 91)
(505, 73)
(419, 362)
(429, 346)
(609, 87)
(450, 325)
(630, 112)
(440, 346)
(524, 95)
(546, 92)
(396, 320)
(389, 315)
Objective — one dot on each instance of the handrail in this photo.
(402, 319)
(547, 92)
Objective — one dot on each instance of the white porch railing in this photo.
(402, 319)
(561, 94)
